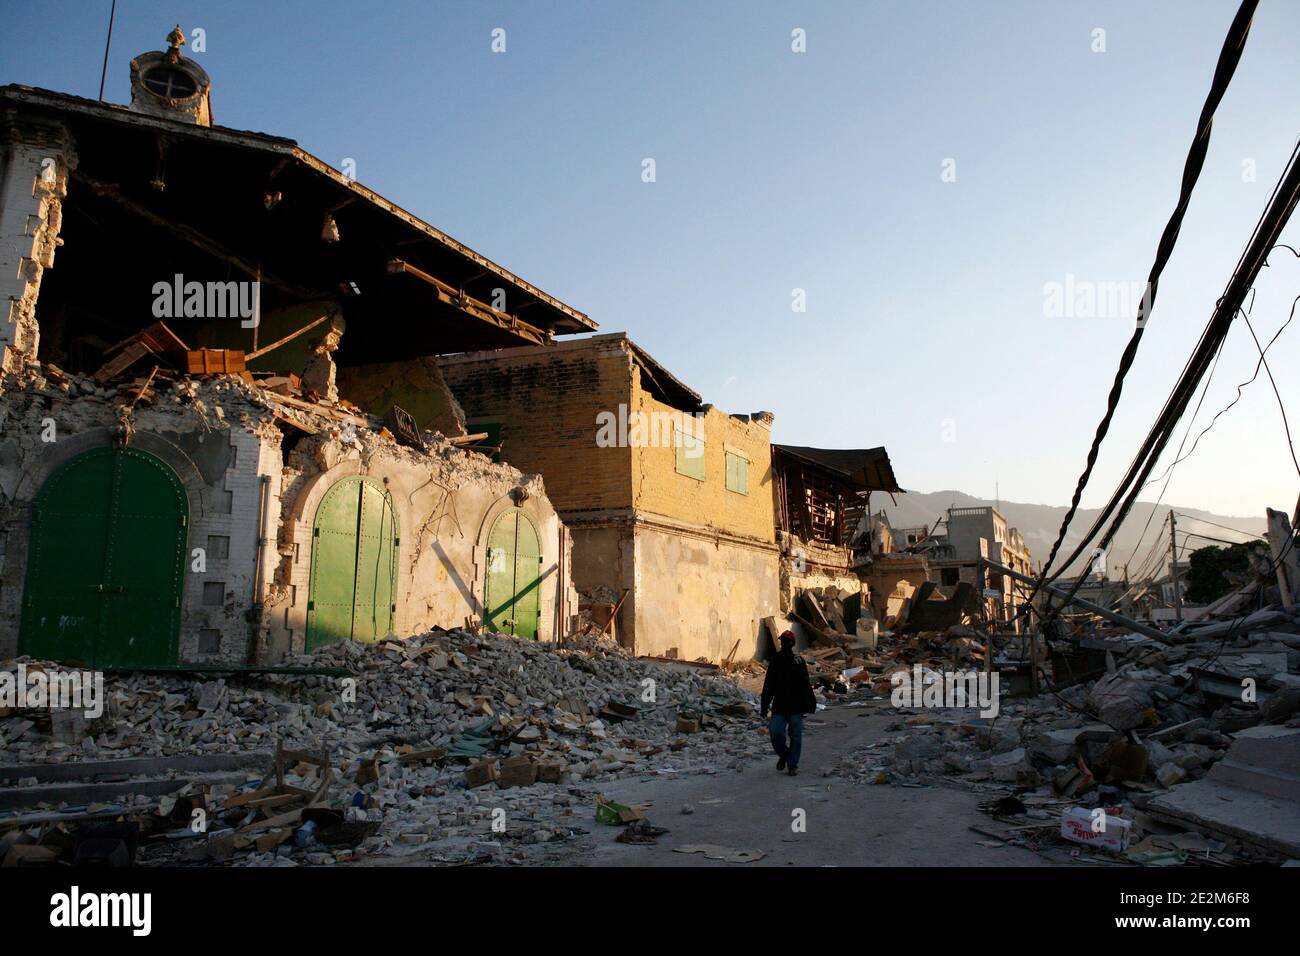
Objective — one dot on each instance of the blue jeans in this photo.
(777, 728)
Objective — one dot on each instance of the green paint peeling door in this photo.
(512, 598)
(106, 564)
(353, 564)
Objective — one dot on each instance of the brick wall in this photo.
(546, 401)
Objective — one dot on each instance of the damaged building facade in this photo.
(185, 477)
(822, 504)
(669, 500)
(969, 536)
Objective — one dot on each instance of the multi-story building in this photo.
(669, 500)
(969, 535)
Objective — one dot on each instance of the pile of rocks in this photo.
(430, 735)
(1159, 715)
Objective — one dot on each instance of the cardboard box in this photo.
(1106, 830)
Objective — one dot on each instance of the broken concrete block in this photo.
(551, 770)
(1170, 774)
(918, 747)
(1008, 767)
(211, 695)
(1120, 702)
(67, 726)
(1055, 746)
(1157, 753)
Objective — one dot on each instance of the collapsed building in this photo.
(207, 456)
(974, 538)
(828, 544)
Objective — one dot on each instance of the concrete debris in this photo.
(1146, 736)
(432, 742)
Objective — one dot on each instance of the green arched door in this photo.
(512, 589)
(353, 564)
(106, 564)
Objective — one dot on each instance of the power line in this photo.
(1281, 406)
(112, 13)
(1274, 218)
(1206, 537)
(1245, 315)
(1214, 524)
(1229, 57)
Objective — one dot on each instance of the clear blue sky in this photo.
(822, 171)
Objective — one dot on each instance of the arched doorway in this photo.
(353, 564)
(512, 586)
(106, 563)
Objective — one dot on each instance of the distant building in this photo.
(968, 535)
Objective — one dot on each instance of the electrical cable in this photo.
(1285, 196)
(1229, 57)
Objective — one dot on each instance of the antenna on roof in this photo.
(112, 13)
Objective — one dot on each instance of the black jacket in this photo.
(786, 688)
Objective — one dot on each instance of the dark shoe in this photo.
(793, 771)
(780, 764)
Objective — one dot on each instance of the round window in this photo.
(170, 82)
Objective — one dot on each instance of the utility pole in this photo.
(1173, 567)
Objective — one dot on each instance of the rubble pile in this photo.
(424, 739)
(1143, 718)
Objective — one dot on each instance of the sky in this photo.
(926, 178)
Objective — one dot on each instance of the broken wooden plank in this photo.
(124, 359)
(258, 353)
(315, 409)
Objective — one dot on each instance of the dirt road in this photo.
(844, 823)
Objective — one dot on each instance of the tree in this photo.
(1208, 569)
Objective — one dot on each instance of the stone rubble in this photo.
(1144, 726)
(548, 704)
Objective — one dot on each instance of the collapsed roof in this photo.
(237, 205)
(866, 469)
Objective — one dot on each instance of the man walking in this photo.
(788, 693)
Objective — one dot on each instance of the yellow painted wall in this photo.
(658, 487)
